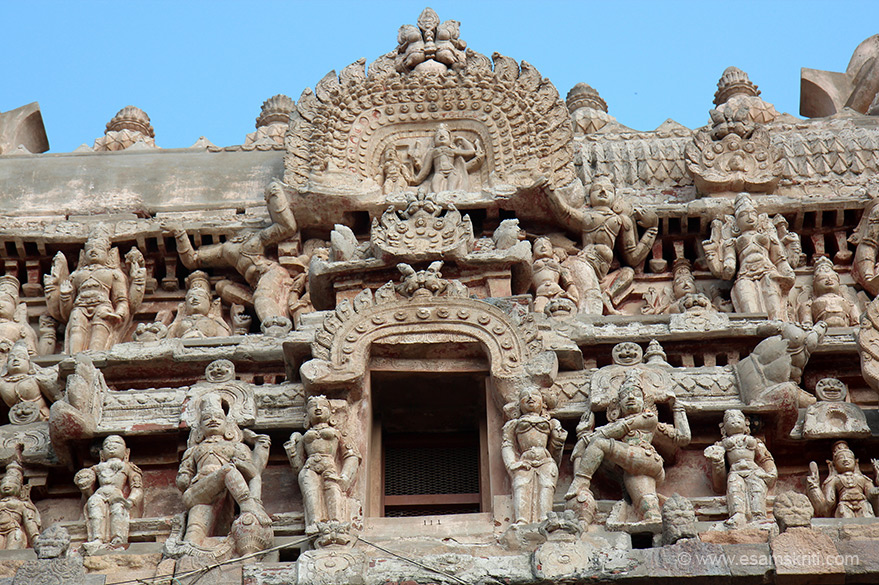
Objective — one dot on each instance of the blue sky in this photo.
(204, 68)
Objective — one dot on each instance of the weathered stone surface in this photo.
(803, 555)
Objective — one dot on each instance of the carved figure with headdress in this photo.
(13, 318)
(199, 316)
(26, 388)
(19, 518)
(846, 493)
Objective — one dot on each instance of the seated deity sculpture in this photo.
(447, 166)
(327, 464)
(218, 466)
(113, 488)
(626, 442)
(828, 301)
(27, 389)
(13, 318)
(846, 493)
(19, 518)
(270, 282)
(742, 466)
(549, 279)
(605, 222)
(97, 300)
(746, 247)
(199, 316)
(532, 450)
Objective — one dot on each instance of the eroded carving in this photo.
(832, 416)
(199, 316)
(13, 318)
(271, 125)
(99, 299)
(549, 279)
(678, 520)
(743, 467)
(828, 301)
(114, 491)
(846, 492)
(26, 388)
(53, 565)
(19, 518)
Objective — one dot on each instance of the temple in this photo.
(431, 322)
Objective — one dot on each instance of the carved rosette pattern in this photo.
(341, 346)
(423, 235)
(345, 125)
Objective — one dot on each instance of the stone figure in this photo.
(113, 488)
(626, 441)
(605, 223)
(742, 466)
(678, 520)
(218, 465)
(846, 493)
(432, 46)
(13, 318)
(832, 417)
(19, 518)
(199, 316)
(447, 164)
(532, 451)
(54, 566)
(828, 301)
(98, 300)
(27, 389)
(327, 463)
(395, 174)
(865, 267)
(549, 279)
(687, 297)
(746, 247)
(792, 510)
(270, 282)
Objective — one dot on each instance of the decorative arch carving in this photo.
(340, 131)
(341, 347)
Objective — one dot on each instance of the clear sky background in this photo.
(204, 68)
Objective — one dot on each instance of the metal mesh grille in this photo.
(400, 511)
(431, 470)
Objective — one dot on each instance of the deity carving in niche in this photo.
(602, 224)
(447, 164)
(549, 279)
(270, 282)
(99, 299)
(828, 301)
(742, 466)
(327, 462)
(218, 466)
(865, 268)
(27, 389)
(846, 493)
(626, 442)
(113, 488)
(19, 518)
(532, 451)
(746, 247)
(13, 318)
(198, 316)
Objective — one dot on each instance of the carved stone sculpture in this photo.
(532, 451)
(678, 520)
(217, 465)
(19, 518)
(588, 110)
(128, 127)
(113, 489)
(26, 388)
(53, 565)
(626, 441)
(865, 268)
(270, 282)
(846, 493)
(447, 164)
(793, 510)
(432, 46)
(199, 316)
(605, 222)
(832, 417)
(829, 301)
(99, 299)
(272, 123)
(327, 463)
(549, 279)
(742, 466)
(746, 247)
(13, 318)
(735, 91)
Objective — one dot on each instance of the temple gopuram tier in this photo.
(433, 323)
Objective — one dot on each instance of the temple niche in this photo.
(431, 323)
